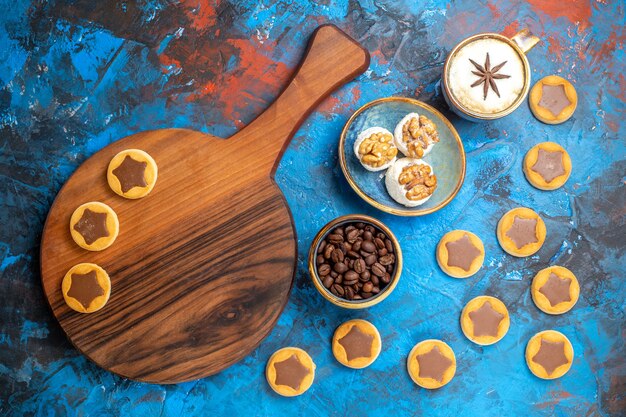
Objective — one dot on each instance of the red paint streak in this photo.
(511, 29)
(576, 11)
(554, 48)
(604, 54)
(379, 56)
(257, 75)
(494, 10)
(557, 397)
(341, 102)
(202, 14)
(168, 62)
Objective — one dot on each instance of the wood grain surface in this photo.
(203, 266)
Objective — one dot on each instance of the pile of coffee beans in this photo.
(355, 261)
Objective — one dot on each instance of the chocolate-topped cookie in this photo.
(431, 364)
(555, 290)
(460, 253)
(549, 354)
(553, 99)
(132, 173)
(485, 320)
(94, 226)
(547, 166)
(356, 344)
(290, 371)
(86, 288)
(521, 232)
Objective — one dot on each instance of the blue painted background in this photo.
(77, 75)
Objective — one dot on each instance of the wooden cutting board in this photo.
(203, 266)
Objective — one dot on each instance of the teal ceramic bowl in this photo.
(447, 157)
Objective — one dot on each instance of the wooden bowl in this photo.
(447, 157)
(342, 302)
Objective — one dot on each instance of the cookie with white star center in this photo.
(431, 364)
(549, 354)
(356, 344)
(555, 290)
(547, 166)
(94, 226)
(132, 173)
(86, 288)
(290, 371)
(553, 99)
(485, 320)
(521, 232)
(460, 253)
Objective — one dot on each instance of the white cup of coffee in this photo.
(487, 76)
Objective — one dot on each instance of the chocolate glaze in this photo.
(131, 173)
(92, 226)
(554, 99)
(433, 364)
(549, 164)
(556, 289)
(357, 344)
(290, 372)
(523, 231)
(85, 288)
(462, 252)
(551, 355)
(486, 320)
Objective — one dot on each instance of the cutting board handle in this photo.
(332, 59)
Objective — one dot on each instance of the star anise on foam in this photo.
(488, 76)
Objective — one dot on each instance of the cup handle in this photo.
(525, 40)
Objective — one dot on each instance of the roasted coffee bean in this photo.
(335, 238)
(355, 261)
(321, 247)
(352, 235)
(328, 251)
(328, 281)
(349, 293)
(351, 276)
(340, 268)
(368, 246)
(359, 266)
(386, 260)
(336, 256)
(370, 260)
(377, 269)
(365, 276)
(338, 290)
(323, 269)
(375, 280)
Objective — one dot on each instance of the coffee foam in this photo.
(460, 76)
